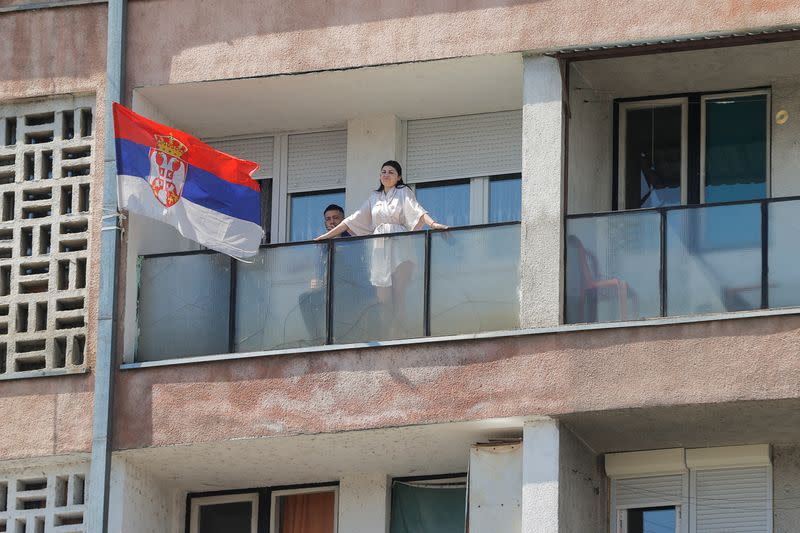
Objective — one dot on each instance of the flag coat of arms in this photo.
(168, 175)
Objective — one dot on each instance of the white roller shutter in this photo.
(732, 500)
(464, 146)
(258, 149)
(317, 161)
(648, 491)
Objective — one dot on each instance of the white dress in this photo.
(390, 212)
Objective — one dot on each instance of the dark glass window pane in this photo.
(505, 199)
(233, 517)
(307, 218)
(418, 509)
(736, 148)
(653, 157)
(447, 203)
(654, 520)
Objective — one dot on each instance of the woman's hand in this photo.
(436, 225)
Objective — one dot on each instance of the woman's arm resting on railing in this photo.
(426, 219)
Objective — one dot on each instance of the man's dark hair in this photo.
(334, 207)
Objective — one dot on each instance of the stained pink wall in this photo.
(173, 41)
(54, 52)
(46, 416)
(553, 374)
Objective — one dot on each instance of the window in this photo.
(281, 510)
(304, 511)
(306, 213)
(735, 147)
(466, 169)
(505, 198)
(428, 505)
(302, 169)
(694, 491)
(447, 202)
(233, 513)
(701, 148)
(651, 520)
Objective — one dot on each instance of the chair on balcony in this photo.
(590, 287)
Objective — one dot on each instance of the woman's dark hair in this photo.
(395, 165)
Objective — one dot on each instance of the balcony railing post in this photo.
(426, 303)
(232, 308)
(329, 294)
(764, 254)
(662, 270)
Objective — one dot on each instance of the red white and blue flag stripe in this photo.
(168, 175)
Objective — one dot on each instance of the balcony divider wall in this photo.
(340, 291)
(682, 260)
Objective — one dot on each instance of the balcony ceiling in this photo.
(695, 71)
(400, 451)
(689, 426)
(329, 99)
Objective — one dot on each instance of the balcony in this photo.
(342, 291)
(682, 260)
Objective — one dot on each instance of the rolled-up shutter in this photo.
(258, 149)
(732, 500)
(464, 146)
(317, 161)
(648, 491)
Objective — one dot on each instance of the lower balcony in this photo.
(343, 291)
(682, 260)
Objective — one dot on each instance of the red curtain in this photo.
(308, 513)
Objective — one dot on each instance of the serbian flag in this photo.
(168, 175)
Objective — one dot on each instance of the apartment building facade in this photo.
(605, 339)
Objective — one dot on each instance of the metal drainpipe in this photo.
(100, 469)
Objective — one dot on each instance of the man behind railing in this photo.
(312, 302)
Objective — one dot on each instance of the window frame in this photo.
(291, 195)
(479, 191)
(277, 493)
(438, 479)
(197, 501)
(705, 97)
(623, 516)
(695, 135)
(686, 462)
(624, 107)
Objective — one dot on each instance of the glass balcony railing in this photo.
(359, 289)
(683, 260)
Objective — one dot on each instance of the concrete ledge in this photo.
(667, 321)
(47, 5)
(45, 373)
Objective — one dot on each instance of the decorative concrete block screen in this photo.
(34, 501)
(45, 168)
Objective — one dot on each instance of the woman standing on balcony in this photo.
(389, 209)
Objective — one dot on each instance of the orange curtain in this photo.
(308, 513)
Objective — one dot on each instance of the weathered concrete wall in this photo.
(364, 503)
(46, 416)
(55, 52)
(785, 488)
(551, 374)
(540, 263)
(582, 494)
(209, 40)
(140, 503)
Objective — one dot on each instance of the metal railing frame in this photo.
(764, 204)
(330, 244)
